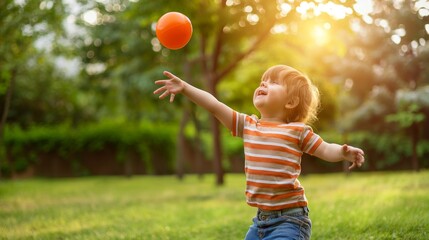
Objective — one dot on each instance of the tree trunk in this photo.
(215, 72)
(415, 140)
(217, 148)
(217, 151)
(181, 146)
(198, 154)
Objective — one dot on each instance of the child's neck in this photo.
(272, 119)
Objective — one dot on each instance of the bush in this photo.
(384, 150)
(152, 143)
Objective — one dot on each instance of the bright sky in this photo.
(363, 7)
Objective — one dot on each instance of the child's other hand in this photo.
(354, 155)
(172, 86)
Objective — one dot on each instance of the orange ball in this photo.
(174, 30)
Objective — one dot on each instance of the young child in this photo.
(273, 145)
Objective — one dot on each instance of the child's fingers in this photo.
(159, 82)
(358, 161)
(360, 157)
(159, 90)
(172, 97)
(352, 166)
(163, 95)
(170, 75)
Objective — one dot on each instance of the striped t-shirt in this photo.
(273, 160)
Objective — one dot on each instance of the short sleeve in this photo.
(310, 141)
(238, 124)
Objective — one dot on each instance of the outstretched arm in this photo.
(174, 85)
(332, 152)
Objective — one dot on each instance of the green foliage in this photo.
(379, 72)
(21, 24)
(148, 140)
(359, 70)
(231, 146)
(407, 117)
(383, 151)
(387, 148)
(43, 95)
(117, 208)
(386, 84)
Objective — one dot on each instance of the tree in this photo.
(21, 24)
(225, 33)
(384, 64)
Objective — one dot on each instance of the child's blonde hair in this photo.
(297, 85)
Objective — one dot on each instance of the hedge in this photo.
(153, 146)
(147, 140)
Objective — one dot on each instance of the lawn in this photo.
(359, 206)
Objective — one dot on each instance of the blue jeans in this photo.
(283, 224)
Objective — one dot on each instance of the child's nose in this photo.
(263, 84)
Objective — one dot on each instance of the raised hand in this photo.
(171, 86)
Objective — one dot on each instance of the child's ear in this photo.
(292, 103)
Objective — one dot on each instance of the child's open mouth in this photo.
(261, 92)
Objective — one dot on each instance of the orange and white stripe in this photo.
(273, 160)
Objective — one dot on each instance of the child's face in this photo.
(270, 97)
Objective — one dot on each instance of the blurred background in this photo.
(76, 82)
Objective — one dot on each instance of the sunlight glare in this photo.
(20, 2)
(46, 5)
(396, 39)
(303, 8)
(401, 32)
(285, 8)
(335, 10)
(422, 4)
(90, 17)
(320, 35)
(385, 25)
(368, 19)
(252, 19)
(364, 7)
(306, 9)
(248, 9)
(327, 26)
(279, 28)
(423, 12)
(230, 3)
(156, 45)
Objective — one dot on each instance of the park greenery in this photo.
(359, 206)
(78, 75)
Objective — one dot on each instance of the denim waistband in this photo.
(298, 211)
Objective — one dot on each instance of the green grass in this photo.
(359, 206)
